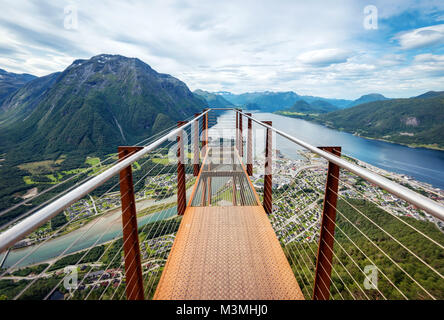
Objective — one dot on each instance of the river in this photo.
(422, 164)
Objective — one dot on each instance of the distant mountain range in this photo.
(109, 100)
(265, 101)
(212, 99)
(11, 82)
(92, 107)
(273, 101)
(417, 121)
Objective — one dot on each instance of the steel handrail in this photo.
(430, 206)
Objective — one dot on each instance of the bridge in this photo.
(219, 212)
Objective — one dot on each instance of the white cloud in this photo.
(422, 37)
(324, 57)
(312, 47)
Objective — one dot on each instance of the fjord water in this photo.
(419, 163)
(106, 229)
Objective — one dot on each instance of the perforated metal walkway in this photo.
(226, 252)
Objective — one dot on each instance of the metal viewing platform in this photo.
(203, 210)
(226, 247)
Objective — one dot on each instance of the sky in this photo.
(334, 49)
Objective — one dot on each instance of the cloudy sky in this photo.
(336, 49)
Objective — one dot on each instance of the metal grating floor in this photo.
(227, 253)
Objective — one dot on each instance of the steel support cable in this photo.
(342, 263)
(388, 234)
(108, 247)
(64, 181)
(311, 263)
(49, 265)
(109, 225)
(148, 281)
(346, 251)
(336, 226)
(432, 207)
(321, 266)
(62, 254)
(83, 256)
(125, 255)
(393, 261)
(361, 252)
(394, 215)
(308, 269)
(166, 230)
(56, 231)
(39, 276)
(143, 230)
(334, 268)
(371, 261)
(338, 273)
(392, 237)
(393, 177)
(382, 251)
(46, 213)
(292, 200)
(303, 272)
(348, 271)
(26, 214)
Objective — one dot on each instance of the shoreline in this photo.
(410, 145)
(112, 218)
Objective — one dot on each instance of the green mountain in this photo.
(10, 82)
(367, 98)
(322, 106)
(412, 121)
(303, 107)
(265, 101)
(212, 99)
(273, 101)
(92, 107)
(338, 103)
(431, 94)
(19, 105)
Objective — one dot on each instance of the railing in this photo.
(78, 229)
(348, 232)
(329, 211)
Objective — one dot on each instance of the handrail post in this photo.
(196, 156)
(131, 249)
(221, 150)
(268, 205)
(205, 131)
(241, 138)
(322, 281)
(181, 192)
(249, 146)
(237, 129)
(209, 185)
